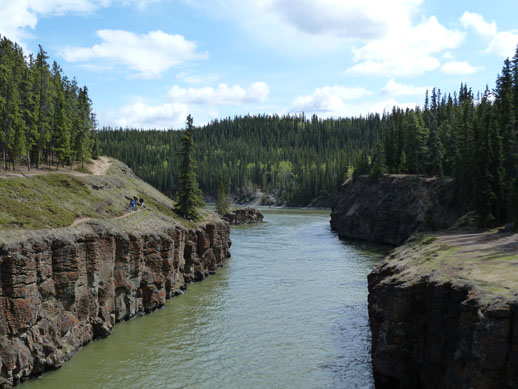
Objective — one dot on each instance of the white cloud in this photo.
(202, 103)
(149, 54)
(16, 16)
(256, 93)
(19, 16)
(459, 68)
(349, 19)
(502, 43)
(406, 50)
(328, 100)
(394, 88)
(197, 79)
(386, 39)
(141, 4)
(478, 23)
(142, 115)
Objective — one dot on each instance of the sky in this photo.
(150, 63)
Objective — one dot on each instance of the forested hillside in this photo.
(473, 138)
(45, 117)
(298, 158)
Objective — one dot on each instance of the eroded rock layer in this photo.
(391, 208)
(60, 289)
(245, 215)
(428, 333)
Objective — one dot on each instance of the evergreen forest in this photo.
(45, 117)
(296, 158)
(470, 136)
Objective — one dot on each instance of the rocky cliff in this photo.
(245, 215)
(60, 289)
(444, 313)
(74, 261)
(392, 208)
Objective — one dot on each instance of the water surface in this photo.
(288, 310)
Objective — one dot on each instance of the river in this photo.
(288, 310)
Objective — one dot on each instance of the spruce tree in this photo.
(379, 167)
(222, 201)
(483, 194)
(189, 194)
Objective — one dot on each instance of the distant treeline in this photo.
(295, 157)
(471, 138)
(44, 116)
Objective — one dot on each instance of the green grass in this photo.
(82, 170)
(55, 200)
(45, 201)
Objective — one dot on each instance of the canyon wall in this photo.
(60, 289)
(391, 208)
(430, 333)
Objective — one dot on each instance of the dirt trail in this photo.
(490, 258)
(483, 244)
(87, 219)
(98, 167)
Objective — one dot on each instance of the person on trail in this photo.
(141, 202)
(133, 202)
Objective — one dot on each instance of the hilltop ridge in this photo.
(42, 199)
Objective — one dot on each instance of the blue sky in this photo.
(148, 63)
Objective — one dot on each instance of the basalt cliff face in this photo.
(245, 215)
(391, 208)
(62, 288)
(443, 307)
(441, 318)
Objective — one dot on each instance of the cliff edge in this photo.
(66, 280)
(392, 208)
(443, 312)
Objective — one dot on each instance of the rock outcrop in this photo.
(245, 215)
(439, 323)
(391, 208)
(60, 289)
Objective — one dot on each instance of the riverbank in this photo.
(443, 312)
(63, 287)
(289, 310)
(443, 306)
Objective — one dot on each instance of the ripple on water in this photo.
(289, 309)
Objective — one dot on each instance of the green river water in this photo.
(288, 310)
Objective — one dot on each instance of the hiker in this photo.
(141, 202)
(133, 202)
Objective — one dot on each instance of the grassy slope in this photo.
(55, 200)
(485, 261)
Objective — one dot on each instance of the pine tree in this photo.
(484, 196)
(223, 201)
(189, 195)
(362, 165)
(61, 130)
(44, 109)
(435, 147)
(379, 167)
